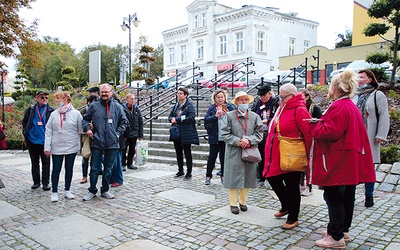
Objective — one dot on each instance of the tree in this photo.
(14, 33)
(157, 67)
(21, 81)
(388, 11)
(345, 39)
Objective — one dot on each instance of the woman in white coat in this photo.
(62, 141)
(374, 107)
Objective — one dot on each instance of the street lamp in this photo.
(3, 74)
(126, 24)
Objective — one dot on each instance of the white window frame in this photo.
(183, 53)
(239, 42)
(172, 55)
(200, 49)
(261, 41)
(292, 46)
(306, 45)
(196, 21)
(203, 20)
(222, 45)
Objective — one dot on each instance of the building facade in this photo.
(218, 36)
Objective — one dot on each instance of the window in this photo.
(222, 45)
(239, 42)
(200, 49)
(171, 55)
(203, 22)
(261, 41)
(306, 45)
(183, 53)
(196, 21)
(292, 42)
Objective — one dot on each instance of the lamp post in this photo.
(3, 74)
(126, 24)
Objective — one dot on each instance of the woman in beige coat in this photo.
(241, 128)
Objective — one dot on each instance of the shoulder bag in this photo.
(292, 151)
(251, 154)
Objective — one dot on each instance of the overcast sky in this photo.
(86, 22)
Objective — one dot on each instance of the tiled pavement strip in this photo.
(154, 210)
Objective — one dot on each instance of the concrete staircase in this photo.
(162, 151)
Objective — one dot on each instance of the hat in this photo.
(242, 93)
(94, 89)
(263, 90)
(41, 92)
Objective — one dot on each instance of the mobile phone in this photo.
(224, 106)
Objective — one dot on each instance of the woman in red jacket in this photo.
(285, 184)
(342, 158)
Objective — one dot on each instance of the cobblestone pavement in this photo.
(154, 210)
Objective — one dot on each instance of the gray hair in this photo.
(289, 88)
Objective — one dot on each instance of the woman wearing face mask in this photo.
(241, 128)
(372, 102)
(290, 119)
(62, 141)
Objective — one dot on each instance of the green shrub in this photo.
(390, 154)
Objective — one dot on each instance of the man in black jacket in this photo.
(33, 129)
(109, 123)
(133, 132)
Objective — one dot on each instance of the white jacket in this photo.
(62, 137)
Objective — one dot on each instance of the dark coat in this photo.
(105, 135)
(272, 108)
(29, 114)
(187, 126)
(211, 121)
(135, 125)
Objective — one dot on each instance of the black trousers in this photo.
(36, 153)
(340, 202)
(286, 187)
(212, 157)
(130, 146)
(179, 150)
(260, 167)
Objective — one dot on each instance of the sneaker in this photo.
(188, 177)
(179, 174)
(132, 167)
(219, 172)
(222, 180)
(84, 180)
(107, 195)
(346, 235)
(68, 195)
(369, 201)
(329, 242)
(260, 183)
(123, 168)
(208, 180)
(89, 196)
(54, 197)
(306, 192)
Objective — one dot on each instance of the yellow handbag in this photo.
(85, 152)
(293, 154)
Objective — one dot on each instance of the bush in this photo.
(390, 154)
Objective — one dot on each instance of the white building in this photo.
(218, 36)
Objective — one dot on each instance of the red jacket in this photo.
(290, 126)
(342, 153)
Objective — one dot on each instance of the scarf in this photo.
(363, 93)
(63, 111)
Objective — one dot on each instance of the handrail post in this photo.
(151, 115)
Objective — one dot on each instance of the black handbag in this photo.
(174, 132)
(2, 135)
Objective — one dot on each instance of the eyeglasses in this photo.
(283, 97)
(43, 97)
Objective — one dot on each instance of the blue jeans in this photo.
(340, 202)
(369, 188)
(85, 166)
(96, 167)
(212, 157)
(116, 175)
(57, 165)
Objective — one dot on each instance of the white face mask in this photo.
(243, 107)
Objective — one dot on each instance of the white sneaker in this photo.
(54, 197)
(68, 195)
(89, 196)
(107, 195)
(306, 192)
(329, 242)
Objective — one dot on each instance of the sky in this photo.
(81, 23)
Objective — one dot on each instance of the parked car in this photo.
(358, 65)
(163, 83)
(286, 76)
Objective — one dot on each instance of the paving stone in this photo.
(395, 168)
(386, 187)
(392, 179)
(380, 176)
(384, 168)
(8, 210)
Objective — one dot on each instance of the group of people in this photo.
(112, 127)
(342, 145)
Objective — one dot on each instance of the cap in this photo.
(41, 92)
(94, 89)
(263, 90)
